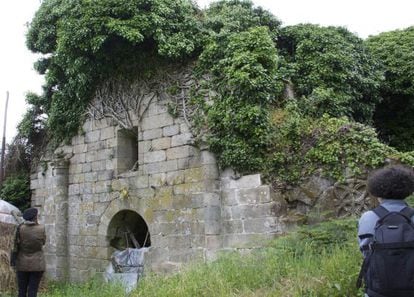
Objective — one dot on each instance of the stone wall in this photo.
(189, 210)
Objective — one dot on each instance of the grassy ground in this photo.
(315, 261)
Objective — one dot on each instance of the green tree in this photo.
(241, 55)
(16, 185)
(85, 42)
(394, 116)
(16, 190)
(331, 71)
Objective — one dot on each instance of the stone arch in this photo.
(118, 206)
(126, 228)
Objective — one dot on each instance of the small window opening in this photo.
(127, 150)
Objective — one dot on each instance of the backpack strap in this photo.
(407, 212)
(380, 211)
(16, 240)
(363, 271)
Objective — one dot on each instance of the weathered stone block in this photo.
(181, 201)
(183, 163)
(194, 175)
(214, 241)
(80, 148)
(158, 167)
(171, 130)
(262, 225)
(94, 146)
(90, 177)
(101, 186)
(247, 181)
(161, 143)
(107, 133)
(212, 199)
(229, 197)
(139, 182)
(152, 134)
(210, 171)
(251, 211)
(76, 168)
(207, 157)
(105, 175)
(164, 196)
(78, 139)
(144, 146)
(212, 220)
(175, 177)
(156, 121)
(92, 136)
(254, 196)
(181, 139)
(178, 152)
(74, 189)
(233, 226)
(198, 241)
(78, 158)
(184, 128)
(155, 156)
(189, 188)
(99, 165)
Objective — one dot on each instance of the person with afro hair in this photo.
(391, 185)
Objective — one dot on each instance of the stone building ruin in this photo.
(155, 183)
(174, 200)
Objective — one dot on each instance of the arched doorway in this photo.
(128, 229)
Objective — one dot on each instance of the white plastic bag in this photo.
(126, 267)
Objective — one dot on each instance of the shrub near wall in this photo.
(335, 147)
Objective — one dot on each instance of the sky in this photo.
(17, 76)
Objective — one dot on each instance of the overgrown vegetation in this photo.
(331, 70)
(331, 145)
(15, 188)
(258, 70)
(87, 42)
(288, 100)
(315, 261)
(394, 115)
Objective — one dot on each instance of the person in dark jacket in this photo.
(391, 185)
(30, 262)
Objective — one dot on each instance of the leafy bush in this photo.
(16, 190)
(395, 51)
(333, 146)
(237, 120)
(85, 42)
(331, 70)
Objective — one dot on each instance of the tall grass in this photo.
(313, 262)
(92, 288)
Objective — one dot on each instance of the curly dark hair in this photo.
(392, 182)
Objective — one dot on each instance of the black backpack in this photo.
(388, 268)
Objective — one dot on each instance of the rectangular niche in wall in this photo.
(127, 149)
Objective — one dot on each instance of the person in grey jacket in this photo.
(30, 262)
(391, 185)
